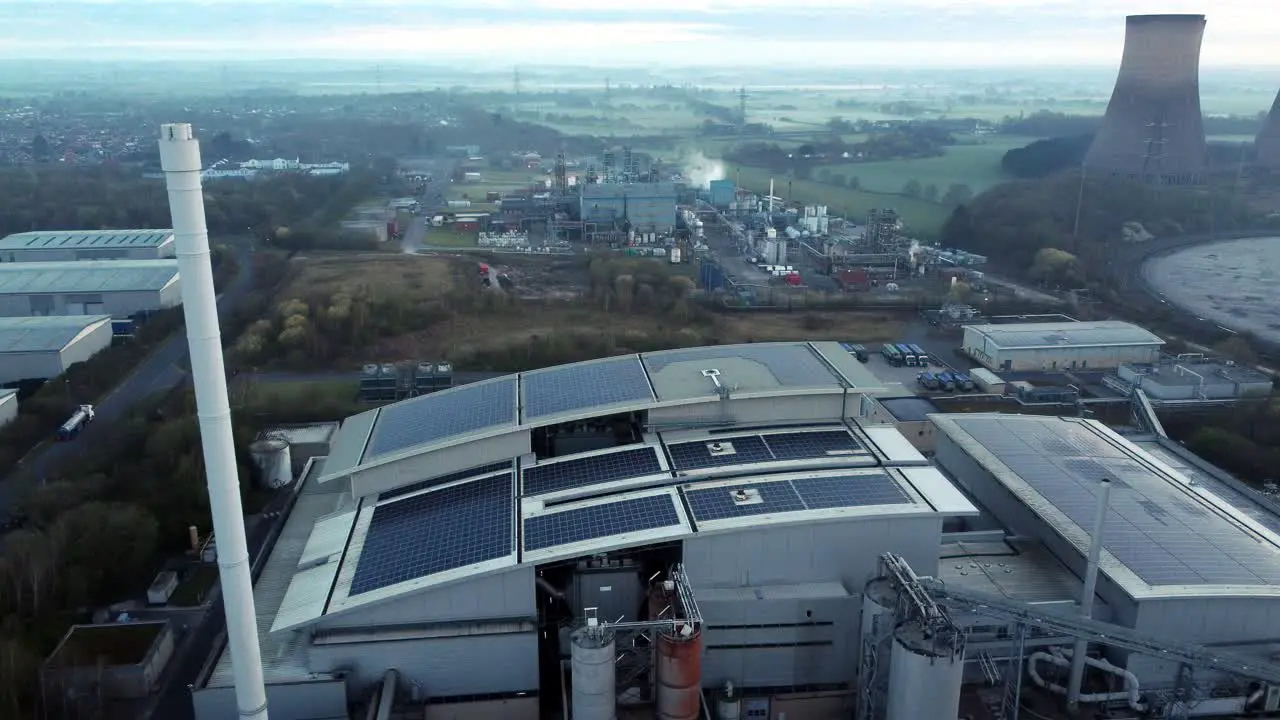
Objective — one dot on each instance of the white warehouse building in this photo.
(61, 245)
(39, 348)
(119, 288)
(1102, 345)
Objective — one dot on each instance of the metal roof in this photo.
(85, 239)
(594, 388)
(1065, 334)
(86, 276)
(635, 191)
(1165, 536)
(44, 334)
(909, 409)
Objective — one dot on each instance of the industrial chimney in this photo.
(180, 160)
(1268, 142)
(1153, 130)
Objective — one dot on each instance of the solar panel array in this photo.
(813, 444)
(438, 416)
(792, 365)
(586, 385)
(598, 521)
(696, 455)
(795, 495)
(593, 470)
(445, 479)
(436, 531)
(1162, 534)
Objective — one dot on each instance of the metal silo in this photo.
(926, 670)
(679, 671)
(593, 675)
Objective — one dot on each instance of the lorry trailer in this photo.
(77, 422)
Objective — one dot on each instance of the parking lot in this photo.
(902, 379)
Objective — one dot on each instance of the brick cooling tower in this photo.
(1268, 142)
(1153, 130)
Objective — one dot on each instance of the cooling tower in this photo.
(1268, 142)
(1153, 129)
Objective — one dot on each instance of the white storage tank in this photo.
(922, 660)
(593, 675)
(272, 458)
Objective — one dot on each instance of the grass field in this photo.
(411, 278)
(925, 218)
(449, 237)
(500, 181)
(977, 166)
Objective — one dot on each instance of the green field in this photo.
(448, 237)
(977, 166)
(500, 181)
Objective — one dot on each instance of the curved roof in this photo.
(582, 390)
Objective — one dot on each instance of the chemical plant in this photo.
(1153, 129)
(737, 531)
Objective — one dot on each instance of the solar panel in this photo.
(791, 365)
(445, 479)
(816, 444)
(442, 415)
(821, 493)
(694, 455)
(723, 503)
(574, 387)
(1152, 529)
(598, 521)
(436, 531)
(568, 474)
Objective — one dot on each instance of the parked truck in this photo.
(77, 422)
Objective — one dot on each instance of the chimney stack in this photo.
(1153, 130)
(180, 160)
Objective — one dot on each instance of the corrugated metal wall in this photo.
(1253, 622)
(441, 667)
(323, 700)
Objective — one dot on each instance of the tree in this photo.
(959, 292)
(931, 192)
(1055, 267)
(1237, 348)
(854, 182)
(129, 531)
(912, 189)
(40, 148)
(957, 194)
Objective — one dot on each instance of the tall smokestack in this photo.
(180, 160)
(1268, 142)
(1153, 130)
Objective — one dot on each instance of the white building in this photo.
(39, 348)
(62, 245)
(119, 288)
(283, 165)
(8, 406)
(1100, 345)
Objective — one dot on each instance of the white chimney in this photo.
(180, 160)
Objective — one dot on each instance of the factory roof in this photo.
(598, 191)
(45, 334)
(1197, 373)
(1101, 333)
(1166, 536)
(86, 276)
(583, 390)
(1020, 570)
(909, 409)
(85, 239)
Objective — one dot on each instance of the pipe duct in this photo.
(1062, 658)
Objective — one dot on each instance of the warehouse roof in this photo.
(604, 191)
(1065, 334)
(45, 334)
(86, 276)
(591, 389)
(95, 239)
(1166, 536)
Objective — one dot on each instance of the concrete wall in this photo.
(1251, 623)
(118, 681)
(441, 667)
(316, 700)
(1058, 358)
(115, 304)
(525, 708)
(506, 595)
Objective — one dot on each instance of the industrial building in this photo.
(644, 529)
(110, 661)
(119, 288)
(62, 245)
(39, 348)
(909, 415)
(1097, 345)
(648, 207)
(1153, 129)
(1267, 143)
(1193, 380)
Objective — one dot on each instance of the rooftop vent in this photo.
(721, 448)
(746, 496)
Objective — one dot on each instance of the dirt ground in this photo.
(411, 276)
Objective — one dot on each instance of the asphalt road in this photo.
(160, 371)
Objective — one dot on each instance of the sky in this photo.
(784, 33)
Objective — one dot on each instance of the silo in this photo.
(925, 674)
(879, 605)
(593, 675)
(679, 661)
(272, 458)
